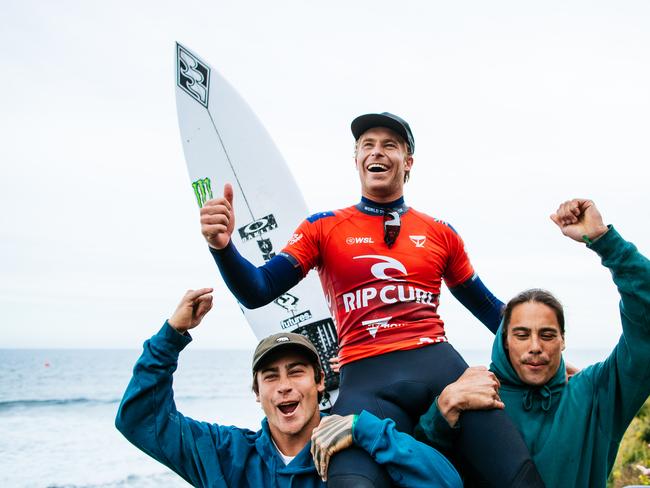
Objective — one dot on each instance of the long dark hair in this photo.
(534, 295)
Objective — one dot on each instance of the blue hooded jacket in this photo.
(212, 455)
(573, 429)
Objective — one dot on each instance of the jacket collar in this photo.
(369, 207)
(301, 464)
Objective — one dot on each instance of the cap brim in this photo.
(365, 122)
(280, 347)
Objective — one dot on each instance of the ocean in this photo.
(57, 409)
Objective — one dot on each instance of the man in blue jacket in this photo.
(572, 428)
(287, 381)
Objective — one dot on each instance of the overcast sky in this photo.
(515, 106)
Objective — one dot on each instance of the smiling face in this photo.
(382, 160)
(534, 342)
(288, 392)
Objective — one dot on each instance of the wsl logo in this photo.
(192, 75)
(359, 240)
(202, 190)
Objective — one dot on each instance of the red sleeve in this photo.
(304, 246)
(458, 269)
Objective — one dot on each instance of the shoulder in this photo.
(319, 215)
(434, 222)
(233, 440)
(331, 216)
(233, 431)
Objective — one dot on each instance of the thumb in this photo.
(556, 220)
(228, 193)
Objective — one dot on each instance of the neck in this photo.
(383, 199)
(292, 444)
(381, 203)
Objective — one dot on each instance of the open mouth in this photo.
(288, 408)
(377, 168)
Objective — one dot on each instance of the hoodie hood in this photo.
(518, 395)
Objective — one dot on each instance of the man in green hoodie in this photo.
(572, 428)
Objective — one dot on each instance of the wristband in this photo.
(354, 422)
(588, 241)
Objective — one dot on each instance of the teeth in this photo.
(377, 166)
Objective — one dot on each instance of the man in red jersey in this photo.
(381, 264)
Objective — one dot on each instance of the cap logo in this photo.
(282, 339)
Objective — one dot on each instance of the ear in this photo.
(257, 393)
(356, 162)
(408, 163)
(321, 384)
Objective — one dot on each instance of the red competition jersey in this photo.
(382, 299)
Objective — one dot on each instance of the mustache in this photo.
(535, 361)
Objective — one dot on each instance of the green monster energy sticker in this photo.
(202, 190)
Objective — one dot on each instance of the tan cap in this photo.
(283, 339)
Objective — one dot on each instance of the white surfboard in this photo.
(224, 142)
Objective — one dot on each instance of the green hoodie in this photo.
(573, 429)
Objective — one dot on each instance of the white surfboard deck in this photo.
(224, 142)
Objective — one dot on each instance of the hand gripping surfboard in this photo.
(224, 142)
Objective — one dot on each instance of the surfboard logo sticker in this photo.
(202, 190)
(258, 227)
(287, 301)
(266, 246)
(296, 319)
(192, 75)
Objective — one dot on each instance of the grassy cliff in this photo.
(634, 453)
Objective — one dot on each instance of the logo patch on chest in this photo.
(359, 240)
(418, 240)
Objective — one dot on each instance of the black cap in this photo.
(384, 119)
(283, 339)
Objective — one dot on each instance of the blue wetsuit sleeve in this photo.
(476, 298)
(255, 286)
(408, 462)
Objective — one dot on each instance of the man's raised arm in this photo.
(147, 415)
(624, 378)
(252, 286)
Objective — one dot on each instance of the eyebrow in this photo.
(521, 328)
(549, 329)
(297, 363)
(383, 140)
(275, 369)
